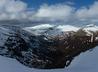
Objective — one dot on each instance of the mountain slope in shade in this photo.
(46, 46)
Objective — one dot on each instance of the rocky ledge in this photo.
(46, 46)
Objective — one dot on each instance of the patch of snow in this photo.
(96, 38)
(3, 37)
(39, 29)
(90, 25)
(90, 29)
(65, 28)
(4, 30)
(93, 29)
(42, 26)
(47, 26)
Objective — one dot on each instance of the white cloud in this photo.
(4, 16)
(88, 13)
(12, 9)
(15, 6)
(58, 11)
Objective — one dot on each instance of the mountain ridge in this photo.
(46, 49)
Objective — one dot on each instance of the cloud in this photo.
(12, 9)
(67, 13)
(17, 9)
(15, 6)
(90, 13)
(55, 11)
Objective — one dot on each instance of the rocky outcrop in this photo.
(45, 50)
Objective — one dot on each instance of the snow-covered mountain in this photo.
(46, 46)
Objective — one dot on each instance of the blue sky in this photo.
(77, 3)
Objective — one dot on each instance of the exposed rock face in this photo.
(44, 49)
